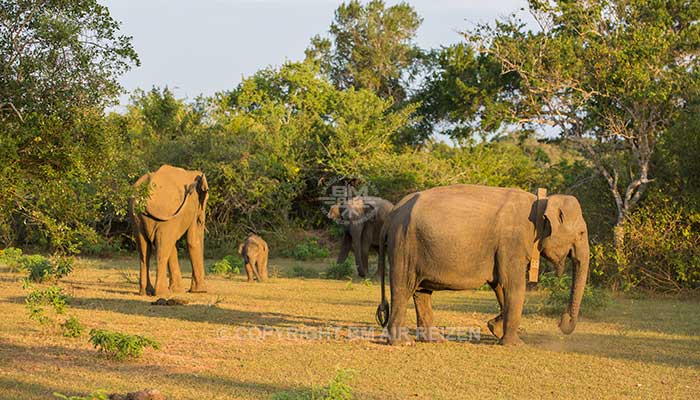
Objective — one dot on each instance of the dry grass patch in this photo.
(637, 348)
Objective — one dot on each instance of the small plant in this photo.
(42, 269)
(337, 389)
(38, 266)
(558, 290)
(40, 298)
(121, 345)
(367, 282)
(227, 265)
(343, 270)
(97, 395)
(72, 327)
(11, 257)
(299, 271)
(309, 250)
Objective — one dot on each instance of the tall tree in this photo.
(60, 64)
(609, 75)
(370, 47)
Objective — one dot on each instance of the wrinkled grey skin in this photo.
(254, 251)
(176, 206)
(362, 218)
(460, 237)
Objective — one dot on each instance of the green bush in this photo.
(121, 345)
(343, 270)
(227, 265)
(42, 269)
(661, 250)
(72, 327)
(558, 290)
(40, 298)
(337, 389)
(11, 257)
(309, 250)
(299, 271)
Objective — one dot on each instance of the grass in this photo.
(636, 348)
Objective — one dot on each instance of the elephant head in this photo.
(355, 210)
(563, 234)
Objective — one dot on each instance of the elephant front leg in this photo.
(163, 251)
(427, 332)
(344, 248)
(495, 325)
(195, 248)
(513, 298)
(175, 273)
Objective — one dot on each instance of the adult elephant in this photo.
(459, 237)
(362, 217)
(175, 206)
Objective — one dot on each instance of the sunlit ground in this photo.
(211, 347)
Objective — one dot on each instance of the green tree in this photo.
(370, 47)
(59, 160)
(610, 75)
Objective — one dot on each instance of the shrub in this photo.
(38, 266)
(309, 250)
(299, 271)
(72, 327)
(343, 270)
(558, 290)
(11, 257)
(661, 250)
(121, 345)
(227, 265)
(38, 299)
(42, 269)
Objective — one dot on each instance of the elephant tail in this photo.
(383, 309)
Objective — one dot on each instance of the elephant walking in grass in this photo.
(255, 252)
(175, 206)
(460, 237)
(362, 218)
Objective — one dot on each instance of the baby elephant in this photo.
(254, 251)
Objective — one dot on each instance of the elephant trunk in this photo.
(580, 256)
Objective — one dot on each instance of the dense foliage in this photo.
(365, 105)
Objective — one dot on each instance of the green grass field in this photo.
(634, 349)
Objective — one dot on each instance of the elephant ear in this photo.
(169, 187)
(562, 212)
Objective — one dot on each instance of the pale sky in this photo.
(204, 46)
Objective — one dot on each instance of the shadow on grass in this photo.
(15, 389)
(670, 351)
(206, 313)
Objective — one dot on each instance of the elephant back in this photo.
(168, 190)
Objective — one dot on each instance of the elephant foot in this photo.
(429, 335)
(496, 326)
(177, 289)
(150, 291)
(198, 289)
(164, 292)
(251, 280)
(511, 341)
(399, 336)
(361, 273)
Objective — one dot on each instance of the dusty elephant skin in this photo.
(255, 253)
(364, 217)
(176, 206)
(460, 237)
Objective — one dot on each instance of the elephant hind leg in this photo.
(402, 288)
(427, 332)
(495, 325)
(262, 266)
